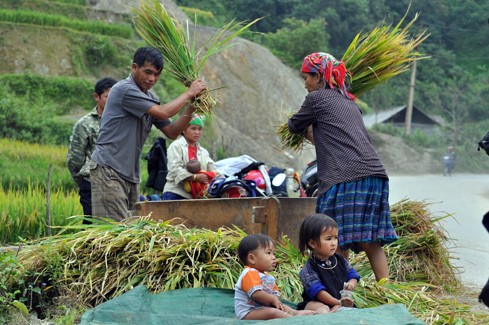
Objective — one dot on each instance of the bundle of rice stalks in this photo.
(372, 58)
(380, 55)
(420, 253)
(159, 29)
(106, 260)
(418, 299)
(289, 140)
(289, 263)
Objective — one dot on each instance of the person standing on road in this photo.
(353, 184)
(129, 115)
(82, 144)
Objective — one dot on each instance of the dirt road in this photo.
(466, 198)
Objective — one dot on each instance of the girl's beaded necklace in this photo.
(327, 265)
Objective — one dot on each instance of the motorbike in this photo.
(309, 179)
(448, 164)
(244, 176)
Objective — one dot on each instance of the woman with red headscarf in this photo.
(353, 184)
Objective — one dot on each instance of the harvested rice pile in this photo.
(101, 261)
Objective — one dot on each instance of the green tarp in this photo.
(216, 306)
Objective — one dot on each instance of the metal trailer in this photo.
(274, 216)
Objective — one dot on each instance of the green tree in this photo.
(298, 39)
(467, 30)
(345, 19)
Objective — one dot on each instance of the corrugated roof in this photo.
(383, 116)
(380, 117)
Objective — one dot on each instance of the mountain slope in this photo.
(256, 90)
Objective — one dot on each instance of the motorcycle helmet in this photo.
(214, 188)
(235, 188)
(257, 177)
(234, 191)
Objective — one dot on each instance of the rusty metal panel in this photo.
(269, 215)
(291, 214)
(253, 215)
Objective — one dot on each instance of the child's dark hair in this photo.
(312, 227)
(193, 166)
(103, 84)
(250, 243)
(151, 55)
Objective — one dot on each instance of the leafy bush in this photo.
(283, 42)
(388, 128)
(66, 91)
(10, 277)
(201, 17)
(93, 54)
(31, 106)
(419, 138)
(37, 124)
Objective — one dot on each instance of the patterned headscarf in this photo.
(334, 72)
(197, 120)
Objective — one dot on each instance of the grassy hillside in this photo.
(51, 54)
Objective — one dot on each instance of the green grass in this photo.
(25, 165)
(67, 91)
(55, 20)
(74, 9)
(23, 213)
(48, 7)
(24, 170)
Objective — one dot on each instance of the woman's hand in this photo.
(201, 178)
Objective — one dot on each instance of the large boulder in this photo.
(256, 92)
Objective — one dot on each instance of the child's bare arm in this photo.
(351, 284)
(267, 299)
(327, 299)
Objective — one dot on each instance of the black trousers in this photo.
(484, 295)
(85, 192)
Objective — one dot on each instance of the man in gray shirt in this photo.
(129, 114)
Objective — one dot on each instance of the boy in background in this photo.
(82, 144)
